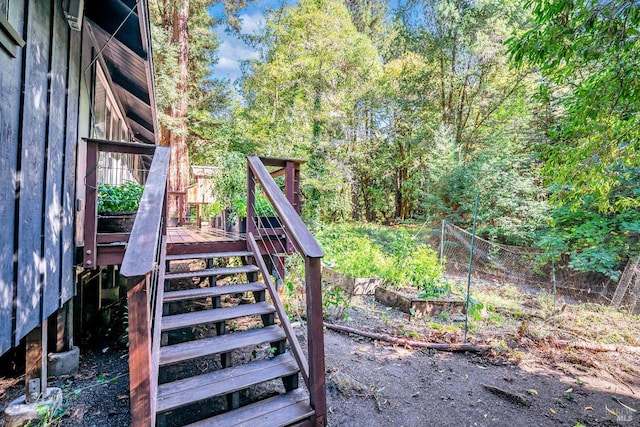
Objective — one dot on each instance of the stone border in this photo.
(353, 286)
(421, 307)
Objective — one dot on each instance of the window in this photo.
(10, 40)
(108, 122)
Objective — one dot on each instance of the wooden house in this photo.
(77, 111)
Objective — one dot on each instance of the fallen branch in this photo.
(597, 347)
(512, 397)
(411, 343)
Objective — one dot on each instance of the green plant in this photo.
(119, 198)
(211, 210)
(262, 206)
(335, 303)
(383, 252)
(239, 206)
(433, 289)
(474, 308)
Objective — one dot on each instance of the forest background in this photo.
(405, 110)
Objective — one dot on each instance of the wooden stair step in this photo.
(221, 344)
(209, 255)
(213, 291)
(278, 411)
(221, 271)
(177, 321)
(183, 392)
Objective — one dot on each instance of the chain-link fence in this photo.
(504, 264)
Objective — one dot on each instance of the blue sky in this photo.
(233, 50)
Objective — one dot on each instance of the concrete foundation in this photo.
(66, 363)
(19, 413)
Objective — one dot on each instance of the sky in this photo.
(232, 50)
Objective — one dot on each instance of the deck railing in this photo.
(109, 253)
(290, 235)
(142, 267)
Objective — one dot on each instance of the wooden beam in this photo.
(10, 40)
(315, 344)
(140, 366)
(61, 318)
(278, 172)
(121, 146)
(36, 363)
(128, 85)
(110, 255)
(140, 121)
(106, 238)
(91, 205)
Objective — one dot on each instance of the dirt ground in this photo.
(524, 380)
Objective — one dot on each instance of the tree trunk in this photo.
(177, 138)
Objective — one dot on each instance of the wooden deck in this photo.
(186, 235)
(183, 240)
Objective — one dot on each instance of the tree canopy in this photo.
(406, 110)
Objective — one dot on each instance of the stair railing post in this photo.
(140, 361)
(251, 198)
(315, 334)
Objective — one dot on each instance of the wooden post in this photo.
(251, 199)
(140, 353)
(62, 320)
(36, 363)
(296, 189)
(316, 339)
(91, 206)
(289, 182)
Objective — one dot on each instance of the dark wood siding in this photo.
(31, 167)
(55, 161)
(10, 84)
(69, 173)
(39, 133)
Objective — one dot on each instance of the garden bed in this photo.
(415, 306)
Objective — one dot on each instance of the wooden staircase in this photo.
(244, 357)
(189, 362)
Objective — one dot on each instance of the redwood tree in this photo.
(184, 47)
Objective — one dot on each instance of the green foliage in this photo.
(595, 241)
(391, 254)
(211, 210)
(474, 308)
(119, 198)
(335, 302)
(231, 182)
(588, 54)
(438, 287)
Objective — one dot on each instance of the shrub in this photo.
(383, 252)
(119, 198)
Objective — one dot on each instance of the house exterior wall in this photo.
(39, 133)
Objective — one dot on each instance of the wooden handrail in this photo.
(144, 252)
(301, 237)
(140, 256)
(306, 245)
